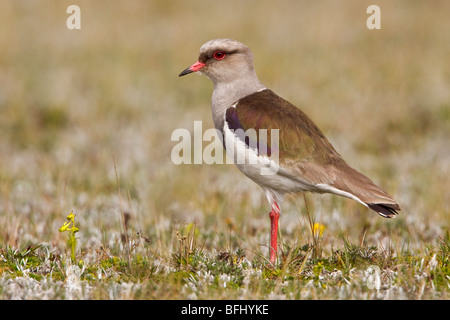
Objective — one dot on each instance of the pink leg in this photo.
(274, 216)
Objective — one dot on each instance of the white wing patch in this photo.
(327, 188)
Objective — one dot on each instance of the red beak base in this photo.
(194, 68)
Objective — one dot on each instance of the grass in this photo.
(193, 272)
(85, 123)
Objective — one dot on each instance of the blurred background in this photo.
(86, 117)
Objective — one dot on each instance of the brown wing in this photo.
(304, 149)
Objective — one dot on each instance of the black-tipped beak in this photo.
(185, 72)
(194, 68)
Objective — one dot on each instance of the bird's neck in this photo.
(227, 93)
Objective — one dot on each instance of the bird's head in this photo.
(223, 60)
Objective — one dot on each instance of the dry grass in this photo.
(85, 124)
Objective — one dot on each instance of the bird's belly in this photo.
(275, 181)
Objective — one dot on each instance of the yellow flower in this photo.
(69, 225)
(71, 217)
(64, 227)
(318, 229)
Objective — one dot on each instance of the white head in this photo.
(224, 61)
(229, 65)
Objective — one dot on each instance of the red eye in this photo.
(219, 55)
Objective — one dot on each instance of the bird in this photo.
(305, 160)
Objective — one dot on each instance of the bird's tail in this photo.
(385, 210)
(367, 192)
